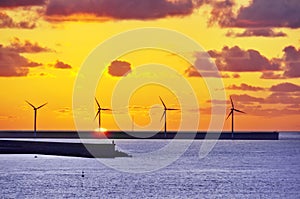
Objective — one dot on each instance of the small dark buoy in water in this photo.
(35, 156)
(82, 174)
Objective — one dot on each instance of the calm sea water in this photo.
(233, 169)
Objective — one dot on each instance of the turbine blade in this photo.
(98, 112)
(41, 106)
(30, 104)
(239, 111)
(97, 102)
(229, 115)
(162, 102)
(163, 115)
(106, 109)
(173, 109)
(231, 102)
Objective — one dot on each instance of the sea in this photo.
(232, 169)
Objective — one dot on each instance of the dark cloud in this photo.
(17, 3)
(290, 65)
(247, 99)
(193, 72)
(14, 64)
(119, 68)
(222, 13)
(282, 98)
(265, 13)
(271, 75)
(120, 9)
(257, 32)
(7, 22)
(26, 47)
(270, 112)
(62, 65)
(292, 62)
(274, 98)
(237, 60)
(245, 87)
(203, 67)
(236, 75)
(259, 14)
(285, 87)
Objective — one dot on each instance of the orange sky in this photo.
(43, 45)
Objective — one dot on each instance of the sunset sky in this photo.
(255, 45)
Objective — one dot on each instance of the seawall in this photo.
(141, 135)
(60, 149)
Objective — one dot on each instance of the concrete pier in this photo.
(60, 149)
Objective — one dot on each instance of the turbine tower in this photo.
(165, 114)
(232, 116)
(35, 114)
(99, 113)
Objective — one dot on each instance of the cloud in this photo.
(271, 75)
(26, 47)
(118, 9)
(258, 14)
(246, 99)
(292, 62)
(222, 13)
(257, 32)
(236, 75)
(203, 67)
(285, 87)
(64, 110)
(7, 22)
(274, 98)
(237, 60)
(245, 87)
(290, 65)
(265, 13)
(270, 112)
(14, 64)
(119, 68)
(62, 65)
(282, 98)
(17, 3)
(193, 72)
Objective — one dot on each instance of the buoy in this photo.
(82, 174)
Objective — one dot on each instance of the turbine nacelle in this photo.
(36, 108)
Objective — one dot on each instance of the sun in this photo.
(101, 130)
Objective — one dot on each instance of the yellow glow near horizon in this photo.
(72, 41)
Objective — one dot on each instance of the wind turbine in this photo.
(99, 113)
(232, 116)
(35, 114)
(165, 114)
